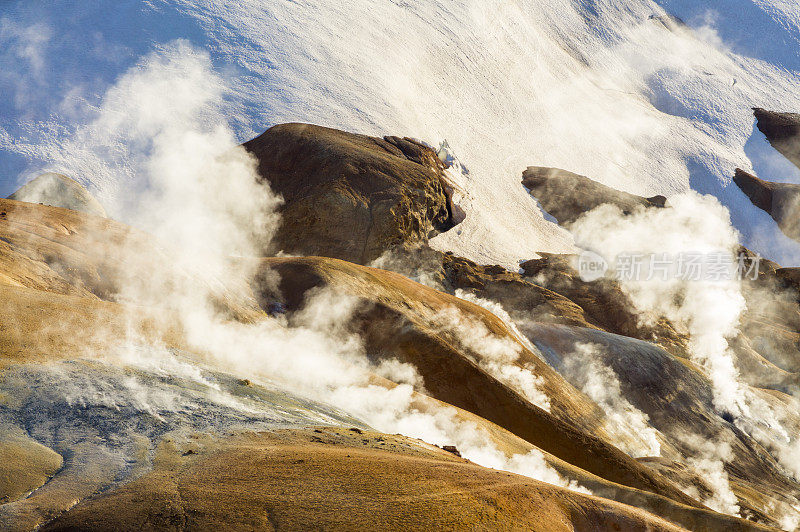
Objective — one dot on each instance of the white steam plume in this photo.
(790, 520)
(709, 463)
(321, 359)
(498, 356)
(707, 307)
(708, 310)
(628, 426)
(162, 157)
(161, 154)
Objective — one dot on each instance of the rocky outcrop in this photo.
(57, 266)
(566, 196)
(351, 196)
(398, 320)
(548, 289)
(59, 190)
(782, 131)
(603, 301)
(780, 200)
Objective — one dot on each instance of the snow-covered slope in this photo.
(612, 89)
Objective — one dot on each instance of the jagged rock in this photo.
(548, 289)
(603, 301)
(779, 200)
(351, 196)
(782, 131)
(566, 196)
(452, 450)
(59, 190)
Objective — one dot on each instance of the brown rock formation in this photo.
(603, 302)
(351, 196)
(779, 200)
(782, 131)
(566, 196)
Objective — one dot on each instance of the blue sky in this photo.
(56, 61)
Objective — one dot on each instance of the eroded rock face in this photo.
(548, 289)
(779, 200)
(58, 190)
(782, 131)
(566, 196)
(351, 196)
(603, 301)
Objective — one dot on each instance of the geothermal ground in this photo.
(537, 271)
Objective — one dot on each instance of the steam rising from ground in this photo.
(160, 140)
(628, 426)
(707, 308)
(317, 356)
(171, 165)
(709, 463)
(498, 356)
